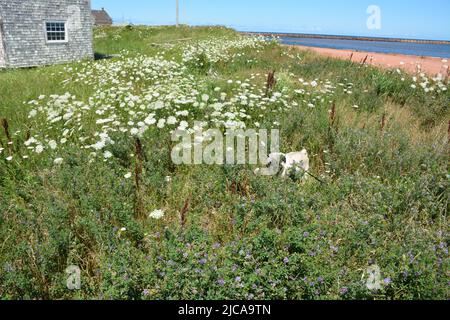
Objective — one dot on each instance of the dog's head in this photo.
(276, 158)
(276, 162)
(273, 166)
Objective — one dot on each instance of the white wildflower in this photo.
(39, 149)
(205, 98)
(171, 120)
(159, 105)
(150, 120)
(127, 176)
(32, 113)
(52, 144)
(30, 141)
(157, 214)
(161, 123)
(107, 155)
(103, 121)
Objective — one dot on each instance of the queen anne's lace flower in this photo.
(157, 214)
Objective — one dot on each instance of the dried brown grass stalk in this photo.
(239, 188)
(333, 128)
(183, 213)
(172, 166)
(139, 208)
(448, 131)
(271, 82)
(383, 122)
(139, 163)
(333, 115)
(5, 126)
(365, 60)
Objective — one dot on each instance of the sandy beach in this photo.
(410, 64)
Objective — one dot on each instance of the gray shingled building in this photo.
(42, 32)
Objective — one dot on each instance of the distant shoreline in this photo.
(335, 37)
(408, 63)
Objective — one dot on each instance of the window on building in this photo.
(56, 31)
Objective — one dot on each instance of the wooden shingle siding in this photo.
(2, 51)
(25, 36)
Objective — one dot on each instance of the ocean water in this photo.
(417, 49)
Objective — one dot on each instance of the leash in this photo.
(310, 174)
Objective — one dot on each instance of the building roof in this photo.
(101, 17)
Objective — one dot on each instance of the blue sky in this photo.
(399, 18)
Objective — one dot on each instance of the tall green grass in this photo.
(383, 201)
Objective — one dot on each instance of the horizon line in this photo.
(117, 21)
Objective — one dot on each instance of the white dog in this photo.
(287, 164)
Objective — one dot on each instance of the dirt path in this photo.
(411, 64)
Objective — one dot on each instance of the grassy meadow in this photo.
(86, 177)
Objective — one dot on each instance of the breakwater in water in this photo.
(335, 37)
(421, 48)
